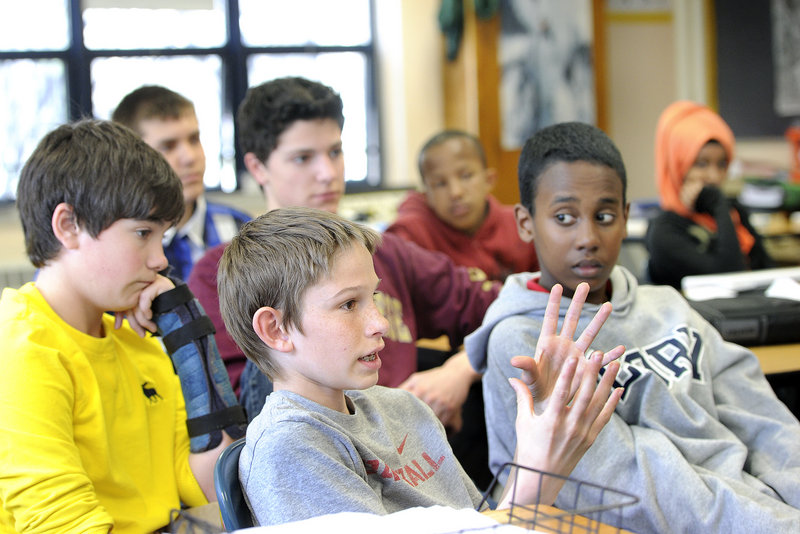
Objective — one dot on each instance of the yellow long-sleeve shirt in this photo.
(92, 430)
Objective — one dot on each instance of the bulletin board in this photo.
(746, 69)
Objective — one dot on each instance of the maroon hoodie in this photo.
(423, 295)
(495, 248)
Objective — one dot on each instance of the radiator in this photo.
(16, 276)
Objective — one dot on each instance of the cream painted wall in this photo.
(410, 73)
(641, 83)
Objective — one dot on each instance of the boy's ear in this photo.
(268, 325)
(256, 167)
(64, 225)
(491, 177)
(626, 212)
(524, 223)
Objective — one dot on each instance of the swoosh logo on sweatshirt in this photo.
(402, 445)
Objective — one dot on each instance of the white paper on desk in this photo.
(784, 288)
(709, 292)
(419, 520)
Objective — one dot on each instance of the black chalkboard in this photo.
(745, 79)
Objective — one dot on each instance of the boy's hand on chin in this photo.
(140, 317)
(541, 372)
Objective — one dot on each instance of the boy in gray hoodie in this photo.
(699, 435)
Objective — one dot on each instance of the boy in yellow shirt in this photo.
(96, 434)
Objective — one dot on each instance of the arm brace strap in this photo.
(196, 329)
(166, 301)
(187, 334)
(233, 415)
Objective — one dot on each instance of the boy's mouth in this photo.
(369, 357)
(459, 210)
(587, 268)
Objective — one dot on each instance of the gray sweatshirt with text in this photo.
(390, 453)
(698, 436)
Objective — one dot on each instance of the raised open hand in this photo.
(553, 349)
(556, 440)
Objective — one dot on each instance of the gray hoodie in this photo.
(698, 436)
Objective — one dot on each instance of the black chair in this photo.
(232, 506)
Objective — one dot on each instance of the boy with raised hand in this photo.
(167, 122)
(298, 293)
(98, 433)
(456, 212)
(290, 131)
(698, 436)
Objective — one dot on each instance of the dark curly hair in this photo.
(270, 108)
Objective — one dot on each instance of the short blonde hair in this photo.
(272, 262)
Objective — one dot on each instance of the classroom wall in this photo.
(641, 82)
(653, 59)
(650, 61)
(410, 77)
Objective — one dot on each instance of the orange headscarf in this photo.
(683, 130)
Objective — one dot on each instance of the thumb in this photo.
(529, 368)
(524, 397)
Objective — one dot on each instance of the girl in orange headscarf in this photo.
(699, 230)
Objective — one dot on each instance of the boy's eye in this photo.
(144, 232)
(349, 305)
(301, 159)
(606, 218)
(336, 153)
(167, 147)
(565, 218)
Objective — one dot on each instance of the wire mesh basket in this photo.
(582, 507)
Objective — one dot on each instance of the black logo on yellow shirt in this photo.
(150, 392)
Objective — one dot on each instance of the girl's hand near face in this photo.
(689, 193)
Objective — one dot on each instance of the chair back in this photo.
(232, 506)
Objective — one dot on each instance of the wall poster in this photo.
(545, 54)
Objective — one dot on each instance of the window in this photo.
(54, 69)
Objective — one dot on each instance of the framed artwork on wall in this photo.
(474, 87)
(546, 60)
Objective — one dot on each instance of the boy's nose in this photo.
(326, 170)
(157, 260)
(455, 188)
(587, 235)
(190, 152)
(378, 324)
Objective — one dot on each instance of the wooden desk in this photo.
(547, 520)
(778, 358)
